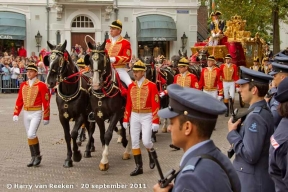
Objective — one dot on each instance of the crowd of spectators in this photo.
(13, 69)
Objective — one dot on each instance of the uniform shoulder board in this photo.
(257, 109)
(191, 164)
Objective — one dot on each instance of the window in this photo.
(82, 22)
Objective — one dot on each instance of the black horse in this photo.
(72, 96)
(106, 101)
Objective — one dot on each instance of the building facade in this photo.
(154, 26)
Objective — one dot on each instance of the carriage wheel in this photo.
(242, 104)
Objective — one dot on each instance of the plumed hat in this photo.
(139, 66)
(116, 24)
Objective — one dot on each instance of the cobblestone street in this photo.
(84, 175)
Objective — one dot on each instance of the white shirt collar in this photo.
(114, 39)
(139, 83)
(32, 81)
(184, 74)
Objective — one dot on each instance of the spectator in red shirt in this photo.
(22, 52)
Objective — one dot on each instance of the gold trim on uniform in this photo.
(184, 81)
(38, 108)
(47, 112)
(128, 52)
(139, 97)
(156, 98)
(196, 85)
(209, 78)
(29, 94)
(228, 73)
(47, 96)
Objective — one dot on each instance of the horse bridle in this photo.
(61, 61)
(95, 57)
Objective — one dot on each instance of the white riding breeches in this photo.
(212, 93)
(213, 41)
(32, 121)
(141, 122)
(229, 89)
(124, 76)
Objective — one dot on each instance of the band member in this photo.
(184, 78)
(210, 79)
(256, 65)
(278, 166)
(251, 141)
(119, 51)
(279, 72)
(191, 127)
(141, 111)
(216, 28)
(33, 94)
(265, 65)
(229, 74)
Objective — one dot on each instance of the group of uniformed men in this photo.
(203, 167)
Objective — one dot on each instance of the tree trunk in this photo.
(276, 32)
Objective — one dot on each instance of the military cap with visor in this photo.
(282, 91)
(278, 68)
(248, 75)
(188, 101)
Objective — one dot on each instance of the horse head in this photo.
(99, 63)
(58, 62)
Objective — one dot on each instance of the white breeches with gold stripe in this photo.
(229, 89)
(32, 121)
(141, 122)
(212, 93)
(124, 76)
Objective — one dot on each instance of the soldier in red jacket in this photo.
(210, 79)
(141, 111)
(119, 51)
(184, 78)
(229, 74)
(33, 97)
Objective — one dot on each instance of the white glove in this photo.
(45, 122)
(125, 125)
(162, 94)
(155, 127)
(15, 118)
(237, 90)
(213, 35)
(220, 98)
(112, 59)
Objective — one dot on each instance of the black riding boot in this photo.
(151, 161)
(174, 147)
(32, 155)
(38, 157)
(153, 136)
(139, 165)
(227, 111)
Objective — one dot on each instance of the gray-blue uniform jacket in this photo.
(204, 174)
(278, 162)
(251, 145)
(273, 105)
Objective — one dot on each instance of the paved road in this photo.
(85, 175)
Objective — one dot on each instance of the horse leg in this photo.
(120, 133)
(104, 163)
(88, 150)
(164, 127)
(126, 154)
(77, 156)
(65, 124)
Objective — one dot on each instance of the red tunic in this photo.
(142, 100)
(32, 98)
(211, 80)
(189, 80)
(121, 50)
(230, 73)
